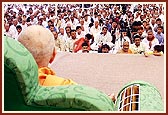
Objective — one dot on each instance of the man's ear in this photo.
(53, 55)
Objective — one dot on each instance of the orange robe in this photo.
(47, 77)
(122, 52)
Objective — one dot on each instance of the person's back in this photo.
(40, 42)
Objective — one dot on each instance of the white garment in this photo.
(137, 50)
(44, 23)
(66, 37)
(82, 35)
(69, 44)
(9, 34)
(13, 31)
(63, 37)
(95, 31)
(24, 27)
(74, 23)
(34, 21)
(17, 35)
(162, 17)
(119, 43)
(102, 39)
(154, 42)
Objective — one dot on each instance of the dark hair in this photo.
(144, 21)
(160, 27)
(104, 27)
(124, 30)
(158, 19)
(136, 23)
(140, 28)
(158, 48)
(95, 13)
(51, 25)
(52, 12)
(77, 27)
(73, 31)
(50, 21)
(90, 25)
(136, 36)
(88, 36)
(105, 46)
(85, 44)
(18, 27)
(67, 27)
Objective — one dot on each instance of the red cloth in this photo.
(78, 44)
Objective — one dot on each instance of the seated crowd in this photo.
(103, 28)
(98, 28)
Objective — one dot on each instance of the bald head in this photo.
(40, 42)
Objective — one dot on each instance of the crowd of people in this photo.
(88, 28)
(45, 29)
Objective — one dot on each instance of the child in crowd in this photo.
(105, 48)
(156, 52)
(84, 48)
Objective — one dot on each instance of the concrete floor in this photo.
(109, 72)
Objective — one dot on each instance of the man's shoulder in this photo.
(81, 39)
(144, 40)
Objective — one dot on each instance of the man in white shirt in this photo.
(138, 47)
(13, 28)
(59, 43)
(70, 42)
(79, 32)
(61, 34)
(102, 38)
(150, 40)
(95, 30)
(19, 29)
(24, 25)
(73, 22)
(8, 32)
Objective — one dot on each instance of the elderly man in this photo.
(125, 48)
(41, 45)
(150, 40)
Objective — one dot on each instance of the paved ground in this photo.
(108, 72)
